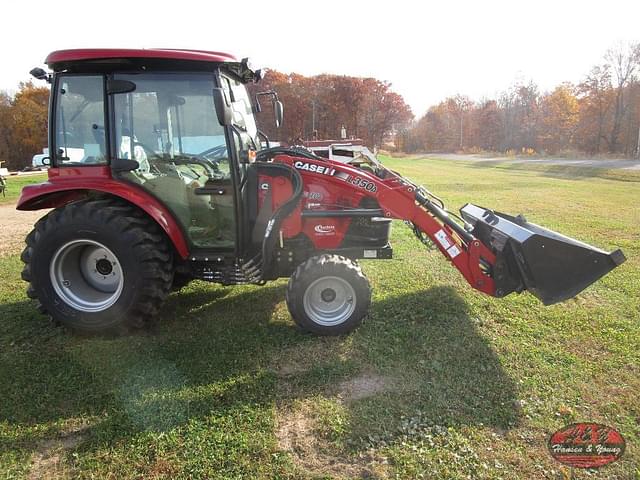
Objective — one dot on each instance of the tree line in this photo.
(600, 115)
(316, 106)
(23, 125)
(320, 106)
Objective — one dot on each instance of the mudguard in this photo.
(68, 185)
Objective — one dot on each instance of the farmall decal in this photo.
(362, 183)
(312, 167)
(322, 170)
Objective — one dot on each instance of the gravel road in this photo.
(14, 227)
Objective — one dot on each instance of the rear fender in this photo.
(60, 192)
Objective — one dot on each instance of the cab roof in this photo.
(106, 60)
(61, 57)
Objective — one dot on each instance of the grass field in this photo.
(440, 381)
(15, 184)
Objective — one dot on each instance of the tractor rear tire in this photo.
(98, 266)
(328, 295)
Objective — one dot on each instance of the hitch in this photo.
(551, 266)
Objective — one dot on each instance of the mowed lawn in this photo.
(15, 184)
(440, 381)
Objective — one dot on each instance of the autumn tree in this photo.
(595, 98)
(5, 125)
(23, 124)
(520, 116)
(461, 105)
(488, 123)
(366, 107)
(559, 112)
(624, 61)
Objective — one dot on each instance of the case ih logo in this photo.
(586, 445)
(325, 229)
(312, 167)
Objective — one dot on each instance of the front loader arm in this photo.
(473, 260)
(496, 253)
(401, 199)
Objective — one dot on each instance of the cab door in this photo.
(167, 123)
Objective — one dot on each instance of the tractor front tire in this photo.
(328, 295)
(98, 266)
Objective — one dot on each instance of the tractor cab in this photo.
(178, 124)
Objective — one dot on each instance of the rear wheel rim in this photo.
(329, 301)
(86, 275)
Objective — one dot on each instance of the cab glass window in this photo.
(168, 124)
(79, 121)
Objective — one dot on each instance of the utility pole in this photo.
(313, 116)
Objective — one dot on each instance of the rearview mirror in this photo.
(278, 108)
(223, 107)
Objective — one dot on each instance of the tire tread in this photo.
(310, 269)
(149, 243)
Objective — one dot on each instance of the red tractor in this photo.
(158, 177)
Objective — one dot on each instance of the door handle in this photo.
(210, 191)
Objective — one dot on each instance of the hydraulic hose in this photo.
(443, 216)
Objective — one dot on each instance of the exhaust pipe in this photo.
(551, 266)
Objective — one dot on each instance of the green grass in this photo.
(474, 385)
(15, 184)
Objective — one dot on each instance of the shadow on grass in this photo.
(451, 375)
(211, 357)
(203, 358)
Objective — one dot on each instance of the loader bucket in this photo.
(529, 257)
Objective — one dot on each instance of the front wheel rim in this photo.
(86, 275)
(329, 301)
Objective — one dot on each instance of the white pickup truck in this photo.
(345, 151)
(39, 159)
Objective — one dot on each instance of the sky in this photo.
(427, 50)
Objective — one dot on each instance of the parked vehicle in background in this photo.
(345, 151)
(39, 160)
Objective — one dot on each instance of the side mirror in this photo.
(223, 107)
(40, 74)
(278, 108)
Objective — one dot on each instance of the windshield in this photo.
(168, 125)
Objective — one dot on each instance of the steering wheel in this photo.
(210, 160)
(218, 153)
(202, 159)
